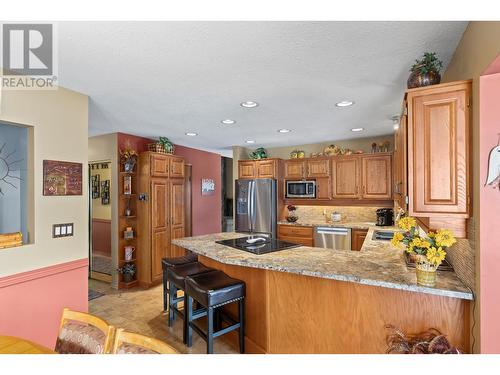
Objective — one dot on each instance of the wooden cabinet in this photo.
(376, 177)
(159, 165)
(357, 238)
(160, 215)
(400, 167)
(266, 168)
(296, 234)
(295, 169)
(318, 167)
(323, 188)
(438, 152)
(176, 167)
(366, 177)
(346, 172)
(246, 169)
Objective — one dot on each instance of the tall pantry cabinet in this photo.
(160, 213)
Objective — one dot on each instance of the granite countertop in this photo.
(378, 263)
(341, 223)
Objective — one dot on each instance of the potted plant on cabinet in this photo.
(425, 72)
(128, 272)
(428, 252)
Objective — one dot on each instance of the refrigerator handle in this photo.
(249, 208)
(252, 222)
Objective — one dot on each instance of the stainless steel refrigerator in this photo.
(256, 206)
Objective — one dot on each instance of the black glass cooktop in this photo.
(261, 246)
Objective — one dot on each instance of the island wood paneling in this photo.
(290, 313)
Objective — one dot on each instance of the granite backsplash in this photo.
(349, 213)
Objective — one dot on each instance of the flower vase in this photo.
(426, 272)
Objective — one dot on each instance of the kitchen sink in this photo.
(382, 235)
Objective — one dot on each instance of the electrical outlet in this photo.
(62, 230)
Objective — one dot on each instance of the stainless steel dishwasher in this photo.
(332, 238)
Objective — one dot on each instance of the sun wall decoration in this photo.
(7, 167)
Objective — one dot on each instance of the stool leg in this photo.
(241, 311)
(210, 330)
(188, 317)
(171, 295)
(165, 302)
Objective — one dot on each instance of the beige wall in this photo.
(104, 147)
(99, 210)
(479, 46)
(353, 144)
(60, 129)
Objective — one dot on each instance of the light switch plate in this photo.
(62, 230)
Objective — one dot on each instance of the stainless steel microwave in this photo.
(300, 189)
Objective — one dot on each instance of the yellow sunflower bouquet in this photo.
(428, 252)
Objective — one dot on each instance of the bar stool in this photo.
(214, 290)
(176, 277)
(166, 263)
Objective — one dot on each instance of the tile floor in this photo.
(141, 310)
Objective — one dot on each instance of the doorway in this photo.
(100, 261)
(227, 194)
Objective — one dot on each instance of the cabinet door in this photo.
(295, 169)
(176, 167)
(376, 177)
(160, 243)
(318, 168)
(323, 188)
(177, 202)
(438, 136)
(159, 165)
(267, 169)
(345, 177)
(357, 238)
(400, 167)
(176, 251)
(246, 169)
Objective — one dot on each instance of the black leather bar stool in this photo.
(166, 263)
(176, 277)
(214, 290)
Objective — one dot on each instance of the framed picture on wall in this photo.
(96, 186)
(207, 186)
(127, 185)
(62, 178)
(105, 192)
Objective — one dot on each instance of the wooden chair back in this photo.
(92, 320)
(146, 342)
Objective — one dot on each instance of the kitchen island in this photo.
(314, 300)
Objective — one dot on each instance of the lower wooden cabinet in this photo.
(296, 234)
(357, 238)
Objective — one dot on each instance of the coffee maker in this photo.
(385, 217)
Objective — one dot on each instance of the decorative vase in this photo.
(426, 272)
(128, 277)
(292, 219)
(417, 79)
(128, 166)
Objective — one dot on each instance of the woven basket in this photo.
(11, 240)
(157, 147)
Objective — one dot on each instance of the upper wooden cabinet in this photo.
(295, 169)
(265, 168)
(346, 172)
(176, 167)
(366, 176)
(318, 167)
(438, 150)
(376, 177)
(246, 169)
(400, 167)
(159, 165)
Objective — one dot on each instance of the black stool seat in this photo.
(166, 263)
(214, 288)
(177, 261)
(178, 274)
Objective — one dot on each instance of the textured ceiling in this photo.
(168, 78)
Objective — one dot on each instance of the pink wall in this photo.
(206, 209)
(31, 302)
(489, 214)
(138, 144)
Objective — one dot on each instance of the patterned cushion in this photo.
(126, 348)
(80, 338)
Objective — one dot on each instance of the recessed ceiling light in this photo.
(284, 130)
(357, 129)
(344, 103)
(228, 121)
(249, 141)
(191, 134)
(249, 104)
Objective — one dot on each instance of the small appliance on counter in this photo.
(385, 217)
